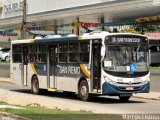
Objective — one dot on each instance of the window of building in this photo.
(155, 49)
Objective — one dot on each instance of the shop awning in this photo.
(153, 36)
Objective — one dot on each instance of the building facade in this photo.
(64, 15)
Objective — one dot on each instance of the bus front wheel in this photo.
(35, 86)
(83, 91)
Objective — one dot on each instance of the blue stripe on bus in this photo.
(112, 89)
(61, 39)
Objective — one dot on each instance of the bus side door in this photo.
(51, 65)
(24, 67)
(96, 65)
(16, 65)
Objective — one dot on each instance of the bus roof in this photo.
(43, 40)
(92, 35)
(103, 34)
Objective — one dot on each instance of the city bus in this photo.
(96, 63)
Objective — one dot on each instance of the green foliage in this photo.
(41, 113)
(50, 114)
(142, 28)
(129, 30)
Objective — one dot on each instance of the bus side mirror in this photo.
(149, 58)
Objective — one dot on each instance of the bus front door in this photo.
(96, 66)
(24, 67)
(52, 55)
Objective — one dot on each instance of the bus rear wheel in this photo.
(83, 91)
(35, 86)
(124, 98)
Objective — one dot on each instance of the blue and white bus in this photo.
(96, 63)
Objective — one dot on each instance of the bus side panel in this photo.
(42, 78)
(16, 73)
(67, 83)
(30, 72)
(68, 75)
(42, 82)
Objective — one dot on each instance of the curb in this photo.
(146, 98)
(151, 95)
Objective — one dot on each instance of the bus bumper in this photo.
(110, 89)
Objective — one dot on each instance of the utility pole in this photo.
(102, 22)
(23, 27)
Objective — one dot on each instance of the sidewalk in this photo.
(151, 95)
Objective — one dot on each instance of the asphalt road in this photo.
(155, 81)
(4, 69)
(103, 104)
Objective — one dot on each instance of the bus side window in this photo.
(84, 52)
(63, 51)
(17, 58)
(73, 52)
(42, 57)
(33, 53)
(17, 54)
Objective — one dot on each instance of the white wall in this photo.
(36, 6)
(46, 5)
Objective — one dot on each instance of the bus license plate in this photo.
(129, 88)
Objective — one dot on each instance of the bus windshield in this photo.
(118, 57)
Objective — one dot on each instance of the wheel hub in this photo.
(84, 90)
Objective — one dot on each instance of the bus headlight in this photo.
(146, 81)
(109, 80)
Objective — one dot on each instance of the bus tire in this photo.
(83, 91)
(35, 86)
(124, 98)
(7, 59)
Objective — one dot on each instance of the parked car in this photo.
(4, 54)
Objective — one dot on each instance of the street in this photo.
(4, 69)
(103, 104)
(155, 81)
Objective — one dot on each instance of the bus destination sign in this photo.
(125, 40)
